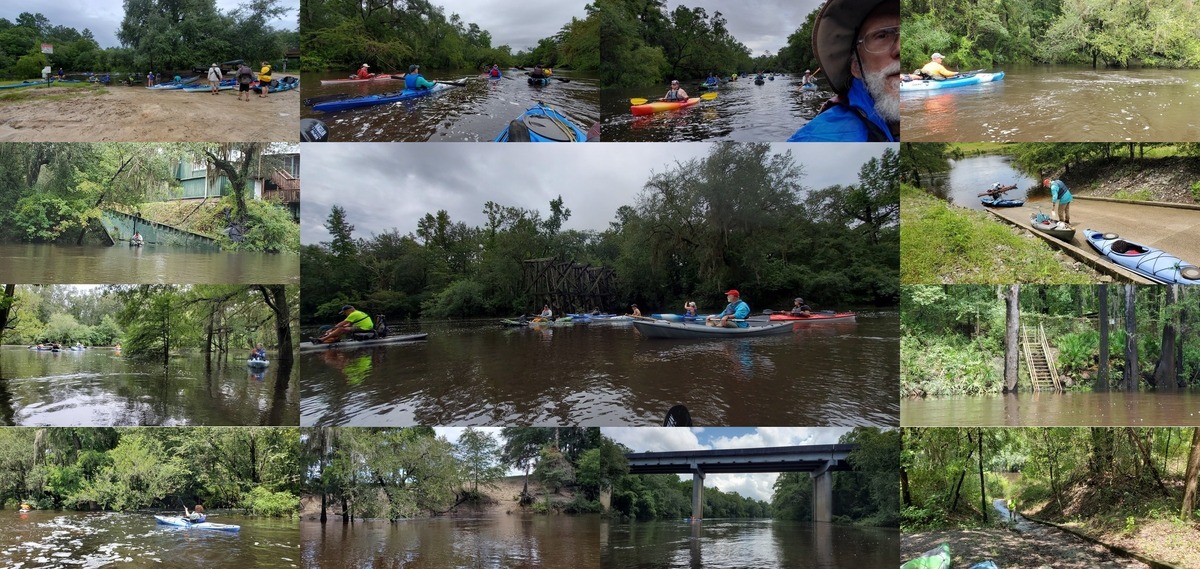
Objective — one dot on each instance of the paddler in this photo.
(935, 70)
(675, 93)
(736, 310)
(196, 516)
(356, 321)
(1060, 199)
(258, 353)
(414, 81)
(546, 315)
(633, 310)
(495, 71)
(364, 72)
(689, 309)
(25, 507)
(799, 308)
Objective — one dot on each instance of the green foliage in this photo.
(479, 453)
(553, 469)
(1133, 195)
(263, 502)
(142, 472)
(582, 505)
(463, 298)
(1195, 188)
(1077, 351)
(645, 44)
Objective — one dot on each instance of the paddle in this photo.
(678, 416)
(703, 96)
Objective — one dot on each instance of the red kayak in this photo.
(838, 317)
(356, 79)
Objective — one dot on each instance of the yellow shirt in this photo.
(265, 74)
(360, 320)
(935, 69)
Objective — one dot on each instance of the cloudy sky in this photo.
(649, 439)
(103, 17)
(758, 24)
(391, 185)
(520, 24)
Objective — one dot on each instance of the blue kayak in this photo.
(542, 124)
(963, 81)
(1154, 264)
(676, 317)
(384, 98)
(22, 84)
(539, 81)
(809, 86)
(994, 202)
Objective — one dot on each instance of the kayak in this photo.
(928, 84)
(222, 86)
(383, 98)
(258, 363)
(541, 124)
(687, 331)
(1154, 264)
(676, 317)
(514, 323)
(287, 83)
(659, 106)
(937, 558)
(347, 343)
(704, 86)
(759, 82)
(1051, 227)
(814, 318)
(809, 86)
(22, 84)
(174, 84)
(771, 78)
(565, 320)
(178, 521)
(380, 77)
(539, 81)
(997, 202)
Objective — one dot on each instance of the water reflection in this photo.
(42, 263)
(968, 177)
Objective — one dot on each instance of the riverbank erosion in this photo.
(93, 113)
(940, 243)
(500, 499)
(1012, 550)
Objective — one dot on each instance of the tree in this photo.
(1012, 341)
(1165, 370)
(1191, 479)
(1130, 377)
(479, 454)
(1102, 379)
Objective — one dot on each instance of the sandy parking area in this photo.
(135, 114)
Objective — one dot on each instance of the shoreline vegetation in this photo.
(1134, 489)
(390, 38)
(127, 469)
(1103, 35)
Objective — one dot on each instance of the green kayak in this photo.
(937, 558)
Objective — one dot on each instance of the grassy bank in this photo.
(55, 92)
(960, 149)
(941, 244)
(271, 228)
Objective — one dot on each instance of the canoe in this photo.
(348, 343)
(688, 331)
(181, 522)
(1051, 228)
(174, 84)
(936, 558)
(287, 83)
(814, 318)
(659, 106)
(541, 124)
(995, 202)
(1154, 264)
(22, 84)
(539, 81)
(380, 77)
(383, 98)
(258, 363)
(929, 84)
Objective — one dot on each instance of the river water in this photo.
(742, 112)
(97, 388)
(1111, 408)
(968, 177)
(476, 112)
(1058, 104)
(843, 374)
(519, 541)
(63, 540)
(67, 264)
(746, 544)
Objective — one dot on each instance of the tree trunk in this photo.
(1102, 379)
(276, 298)
(1011, 338)
(6, 302)
(1129, 379)
(905, 492)
(962, 476)
(324, 506)
(1191, 480)
(1147, 459)
(982, 488)
(1165, 379)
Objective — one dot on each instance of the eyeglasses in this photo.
(880, 40)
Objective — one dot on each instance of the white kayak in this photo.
(930, 84)
(182, 522)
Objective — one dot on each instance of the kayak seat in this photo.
(517, 132)
(547, 127)
(1126, 248)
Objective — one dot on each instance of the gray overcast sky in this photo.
(103, 17)
(391, 185)
(758, 24)
(518, 23)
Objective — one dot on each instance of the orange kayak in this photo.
(658, 106)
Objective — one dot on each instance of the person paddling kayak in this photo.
(675, 93)
(935, 70)
(414, 81)
(364, 72)
(196, 516)
(495, 72)
(736, 310)
(799, 308)
(356, 321)
(258, 353)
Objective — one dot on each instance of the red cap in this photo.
(1046, 182)
(734, 292)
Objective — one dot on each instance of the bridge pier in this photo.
(697, 493)
(822, 496)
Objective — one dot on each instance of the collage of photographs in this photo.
(835, 284)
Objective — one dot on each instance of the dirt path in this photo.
(1039, 548)
(135, 114)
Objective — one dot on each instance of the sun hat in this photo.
(835, 33)
(937, 56)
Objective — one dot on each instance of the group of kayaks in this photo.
(568, 320)
(191, 85)
(679, 326)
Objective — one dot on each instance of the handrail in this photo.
(1049, 361)
(1028, 358)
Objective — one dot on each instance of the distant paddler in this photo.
(935, 70)
(495, 71)
(25, 507)
(364, 72)
(356, 321)
(545, 315)
(414, 80)
(136, 240)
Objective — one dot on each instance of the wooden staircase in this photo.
(1043, 374)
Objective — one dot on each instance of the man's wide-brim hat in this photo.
(834, 36)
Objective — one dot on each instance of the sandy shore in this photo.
(135, 114)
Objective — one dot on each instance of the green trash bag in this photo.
(937, 558)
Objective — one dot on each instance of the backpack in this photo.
(245, 77)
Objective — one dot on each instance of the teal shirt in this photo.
(1059, 192)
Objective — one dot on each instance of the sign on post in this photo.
(48, 48)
